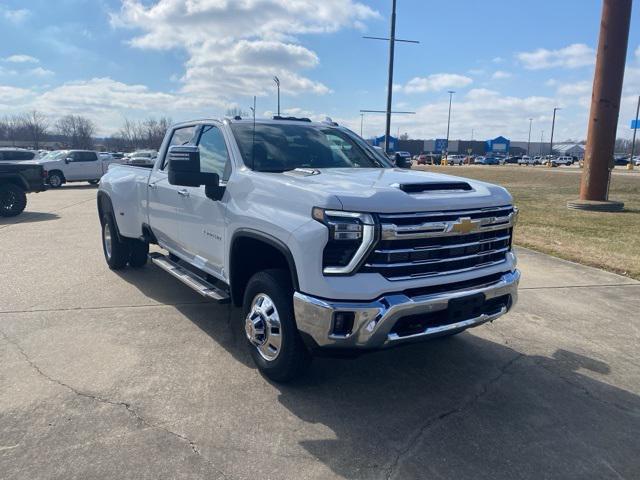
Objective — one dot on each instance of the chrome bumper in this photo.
(374, 321)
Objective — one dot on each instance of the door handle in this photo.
(183, 193)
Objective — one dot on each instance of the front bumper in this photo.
(374, 323)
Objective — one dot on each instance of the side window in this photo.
(214, 157)
(180, 136)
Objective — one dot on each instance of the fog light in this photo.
(343, 323)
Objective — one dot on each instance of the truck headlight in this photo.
(351, 235)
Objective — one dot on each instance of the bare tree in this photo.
(35, 125)
(235, 112)
(76, 130)
(147, 134)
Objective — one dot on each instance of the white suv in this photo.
(564, 160)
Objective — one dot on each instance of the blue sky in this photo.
(507, 61)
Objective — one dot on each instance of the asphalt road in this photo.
(132, 375)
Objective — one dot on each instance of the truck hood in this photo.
(398, 190)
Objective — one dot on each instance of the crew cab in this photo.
(74, 166)
(18, 178)
(324, 245)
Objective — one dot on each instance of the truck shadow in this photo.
(463, 407)
(29, 217)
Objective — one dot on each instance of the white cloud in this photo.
(9, 95)
(39, 72)
(236, 47)
(552, 82)
(637, 53)
(501, 75)
(21, 59)
(435, 83)
(497, 60)
(574, 56)
(14, 16)
(575, 89)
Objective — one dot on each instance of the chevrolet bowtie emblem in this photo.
(464, 226)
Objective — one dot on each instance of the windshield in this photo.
(57, 155)
(278, 148)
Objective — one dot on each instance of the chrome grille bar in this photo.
(439, 243)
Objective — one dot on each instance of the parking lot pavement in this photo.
(132, 375)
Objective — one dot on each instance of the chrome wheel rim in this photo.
(106, 236)
(263, 328)
(54, 181)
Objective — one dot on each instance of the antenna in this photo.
(253, 138)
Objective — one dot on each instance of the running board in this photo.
(189, 278)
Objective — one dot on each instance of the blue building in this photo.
(498, 145)
(379, 142)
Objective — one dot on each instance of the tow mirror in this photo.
(184, 168)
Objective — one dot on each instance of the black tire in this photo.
(13, 200)
(94, 182)
(139, 252)
(55, 179)
(116, 252)
(293, 358)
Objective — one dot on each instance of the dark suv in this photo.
(16, 154)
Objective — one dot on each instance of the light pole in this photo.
(451, 92)
(277, 82)
(553, 126)
(392, 44)
(541, 142)
(361, 122)
(633, 143)
(529, 141)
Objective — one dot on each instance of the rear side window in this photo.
(180, 136)
(84, 156)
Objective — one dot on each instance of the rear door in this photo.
(202, 220)
(163, 198)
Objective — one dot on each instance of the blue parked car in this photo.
(486, 161)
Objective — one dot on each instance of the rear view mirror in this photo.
(184, 168)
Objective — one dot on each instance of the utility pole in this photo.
(472, 130)
(451, 92)
(529, 141)
(605, 107)
(392, 43)
(277, 82)
(553, 127)
(633, 143)
(541, 142)
(361, 122)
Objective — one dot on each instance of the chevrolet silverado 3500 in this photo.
(324, 245)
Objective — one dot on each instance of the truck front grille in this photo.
(415, 245)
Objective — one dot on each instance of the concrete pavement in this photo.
(132, 375)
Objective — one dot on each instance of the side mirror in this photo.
(184, 168)
(67, 160)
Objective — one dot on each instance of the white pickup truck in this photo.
(323, 243)
(74, 166)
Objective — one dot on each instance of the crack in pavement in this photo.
(412, 443)
(127, 406)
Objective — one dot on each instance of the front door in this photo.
(202, 220)
(82, 166)
(164, 200)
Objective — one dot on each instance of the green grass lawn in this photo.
(606, 240)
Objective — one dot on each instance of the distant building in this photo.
(569, 149)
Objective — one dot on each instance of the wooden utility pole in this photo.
(605, 106)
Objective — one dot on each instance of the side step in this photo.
(189, 278)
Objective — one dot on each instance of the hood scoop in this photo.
(303, 172)
(433, 187)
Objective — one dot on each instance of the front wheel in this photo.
(13, 200)
(270, 327)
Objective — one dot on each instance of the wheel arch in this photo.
(106, 207)
(252, 251)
